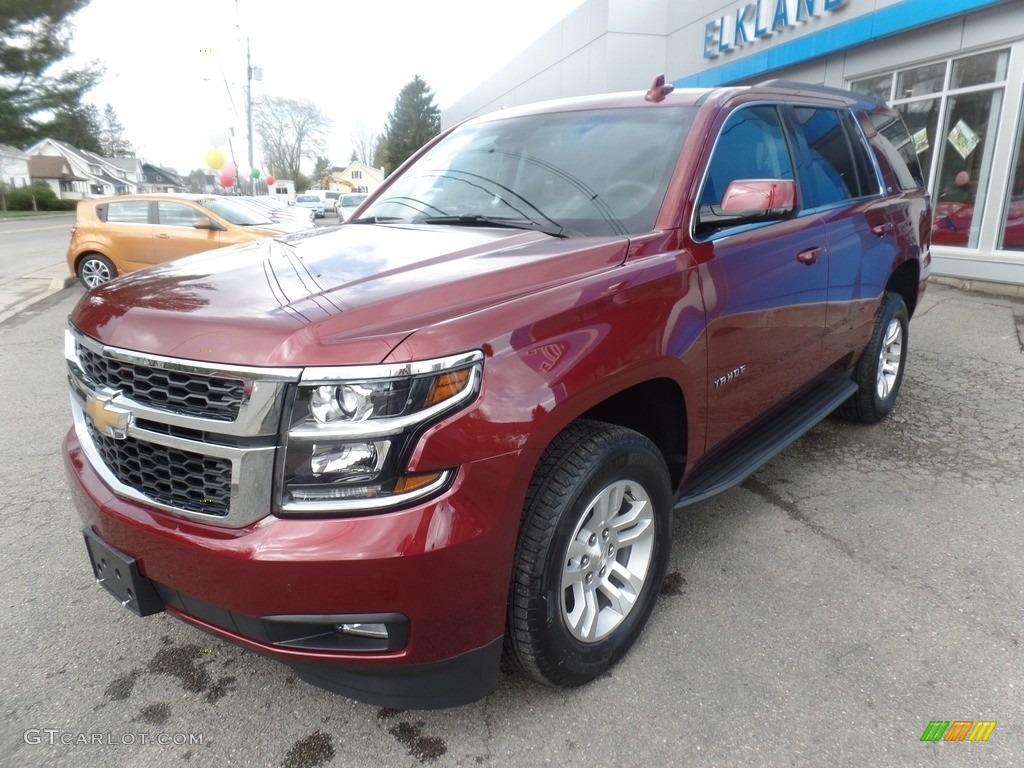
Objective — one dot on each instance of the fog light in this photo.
(379, 631)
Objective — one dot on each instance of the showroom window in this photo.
(1011, 231)
(952, 109)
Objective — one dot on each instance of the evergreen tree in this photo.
(77, 125)
(34, 36)
(112, 139)
(321, 169)
(414, 121)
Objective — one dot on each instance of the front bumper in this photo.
(443, 567)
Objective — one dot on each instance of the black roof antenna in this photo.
(658, 90)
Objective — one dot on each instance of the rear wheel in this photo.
(879, 373)
(591, 555)
(95, 270)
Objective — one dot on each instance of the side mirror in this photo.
(760, 196)
(749, 201)
(205, 223)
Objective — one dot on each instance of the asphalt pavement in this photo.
(863, 584)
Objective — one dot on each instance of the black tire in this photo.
(549, 637)
(879, 372)
(94, 269)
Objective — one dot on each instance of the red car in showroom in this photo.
(456, 428)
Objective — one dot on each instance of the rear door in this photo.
(843, 187)
(764, 285)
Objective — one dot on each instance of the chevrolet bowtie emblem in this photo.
(109, 419)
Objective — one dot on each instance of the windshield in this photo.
(243, 216)
(600, 172)
(307, 199)
(351, 201)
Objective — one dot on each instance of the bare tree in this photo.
(289, 130)
(364, 143)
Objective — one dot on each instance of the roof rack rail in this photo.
(783, 83)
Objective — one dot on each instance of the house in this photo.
(13, 167)
(157, 179)
(102, 176)
(357, 177)
(130, 166)
(203, 183)
(55, 172)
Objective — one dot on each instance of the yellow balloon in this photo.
(214, 158)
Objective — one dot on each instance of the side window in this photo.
(867, 171)
(128, 212)
(176, 214)
(899, 149)
(832, 173)
(752, 145)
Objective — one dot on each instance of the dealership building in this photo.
(953, 68)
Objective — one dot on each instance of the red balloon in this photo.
(228, 169)
(227, 179)
(270, 180)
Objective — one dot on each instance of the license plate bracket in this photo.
(119, 574)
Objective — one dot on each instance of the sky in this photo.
(175, 69)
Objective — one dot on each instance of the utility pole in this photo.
(251, 73)
(248, 110)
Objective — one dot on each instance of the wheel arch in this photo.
(904, 281)
(91, 251)
(655, 408)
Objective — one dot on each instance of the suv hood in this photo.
(339, 296)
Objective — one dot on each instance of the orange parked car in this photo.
(114, 235)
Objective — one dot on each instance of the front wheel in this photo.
(879, 373)
(592, 552)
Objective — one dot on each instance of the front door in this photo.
(764, 285)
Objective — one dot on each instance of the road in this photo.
(32, 258)
(862, 584)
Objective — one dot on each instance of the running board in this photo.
(772, 437)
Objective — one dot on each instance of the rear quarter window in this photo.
(128, 212)
(897, 145)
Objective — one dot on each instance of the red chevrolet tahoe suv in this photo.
(457, 427)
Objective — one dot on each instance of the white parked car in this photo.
(348, 203)
(311, 202)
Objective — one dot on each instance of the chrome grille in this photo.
(205, 397)
(179, 479)
(192, 439)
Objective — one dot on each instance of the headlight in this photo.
(349, 433)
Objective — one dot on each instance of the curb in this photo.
(57, 284)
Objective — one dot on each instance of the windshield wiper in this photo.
(476, 220)
(375, 220)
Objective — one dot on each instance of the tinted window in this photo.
(128, 212)
(899, 149)
(832, 174)
(752, 145)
